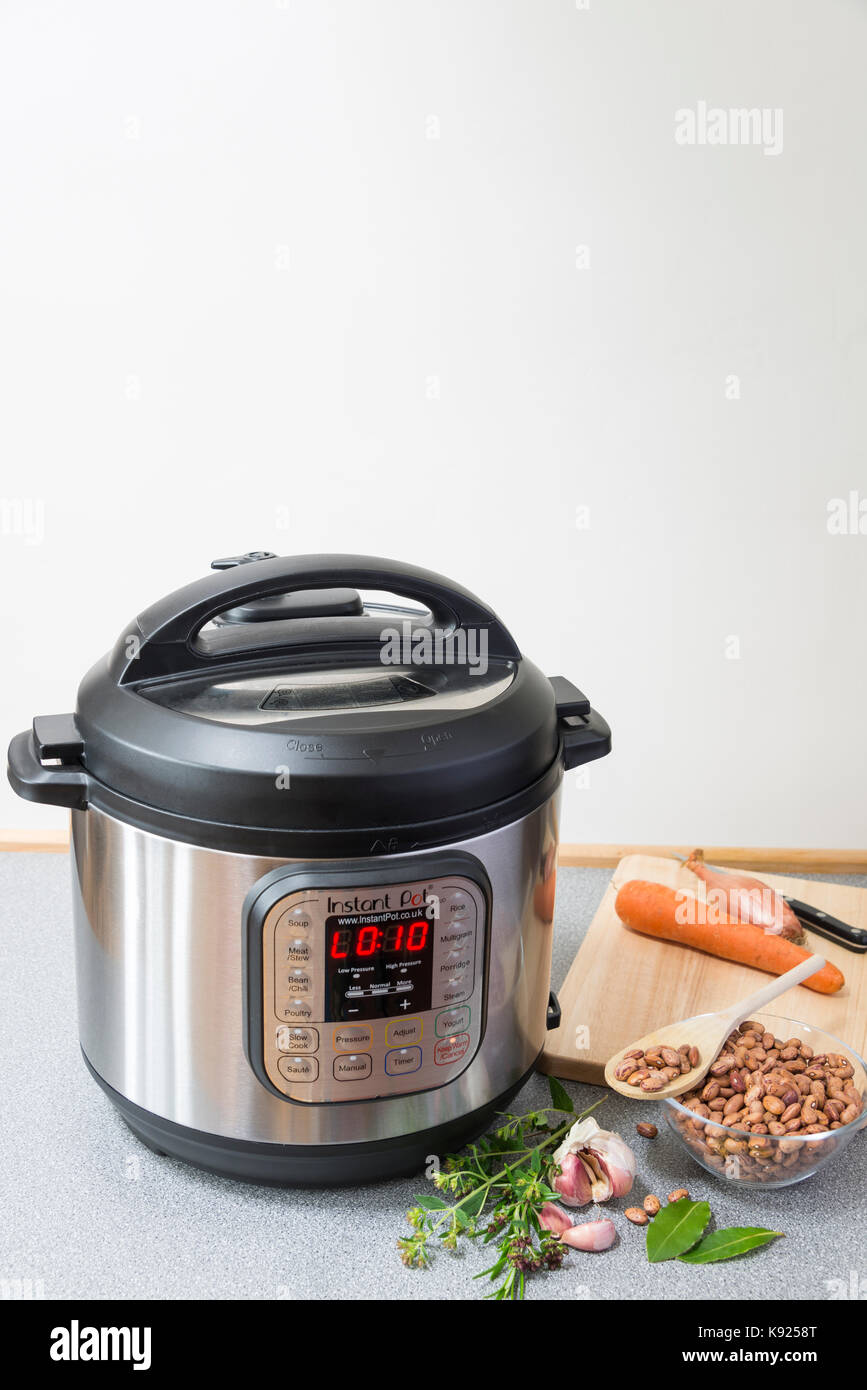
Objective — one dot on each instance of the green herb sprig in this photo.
(498, 1183)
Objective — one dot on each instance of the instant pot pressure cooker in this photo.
(313, 847)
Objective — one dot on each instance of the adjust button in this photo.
(402, 1059)
(353, 1066)
(297, 1039)
(403, 1031)
(298, 1068)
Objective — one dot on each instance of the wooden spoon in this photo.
(707, 1034)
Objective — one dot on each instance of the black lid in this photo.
(338, 720)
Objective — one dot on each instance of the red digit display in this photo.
(416, 937)
(340, 943)
(369, 941)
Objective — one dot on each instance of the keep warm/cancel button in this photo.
(354, 1066)
(451, 1049)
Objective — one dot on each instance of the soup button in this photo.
(451, 1049)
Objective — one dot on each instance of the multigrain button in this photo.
(452, 936)
(353, 1066)
(351, 1038)
(452, 1049)
(402, 1059)
(403, 1031)
(452, 1021)
(298, 1068)
(297, 1039)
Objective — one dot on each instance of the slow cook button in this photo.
(298, 1068)
(354, 1066)
(403, 1031)
(452, 1021)
(452, 1049)
(297, 1039)
(402, 1059)
(351, 1038)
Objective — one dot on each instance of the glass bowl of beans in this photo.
(780, 1101)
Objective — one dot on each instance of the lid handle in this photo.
(161, 643)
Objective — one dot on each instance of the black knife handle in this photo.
(853, 938)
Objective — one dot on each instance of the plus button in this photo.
(405, 1004)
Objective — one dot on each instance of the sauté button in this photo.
(403, 1031)
(351, 1037)
(452, 1049)
(353, 1066)
(452, 1021)
(298, 1068)
(297, 1039)
(402, 1059)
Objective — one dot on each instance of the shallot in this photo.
(746, 899)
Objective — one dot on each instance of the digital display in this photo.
(378, 964)
(358, 942)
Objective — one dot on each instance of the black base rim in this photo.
(305, 1165)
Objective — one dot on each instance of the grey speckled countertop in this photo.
(88, 1212)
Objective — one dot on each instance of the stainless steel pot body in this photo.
(158, 931)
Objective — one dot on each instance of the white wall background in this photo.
(249, 300)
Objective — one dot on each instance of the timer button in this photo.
(298, 1068)
(402, 1059)
(403, 1031)
(354, 1066)
(351, 1038)
(297, 1039)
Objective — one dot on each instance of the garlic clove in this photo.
(591, 1235)
(554, 1218)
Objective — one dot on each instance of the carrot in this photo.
(673, 915)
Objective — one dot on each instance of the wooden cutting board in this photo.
(621, 985)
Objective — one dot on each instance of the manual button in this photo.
(354, 1066)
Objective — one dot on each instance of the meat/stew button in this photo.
(451, 1049)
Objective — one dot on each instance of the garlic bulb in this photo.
(595, 1164)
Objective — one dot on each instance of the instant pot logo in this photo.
(77, 1343)
(386, 902)
(409, 645)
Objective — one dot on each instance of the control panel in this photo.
(360, 988)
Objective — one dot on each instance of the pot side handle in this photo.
(61, 783)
